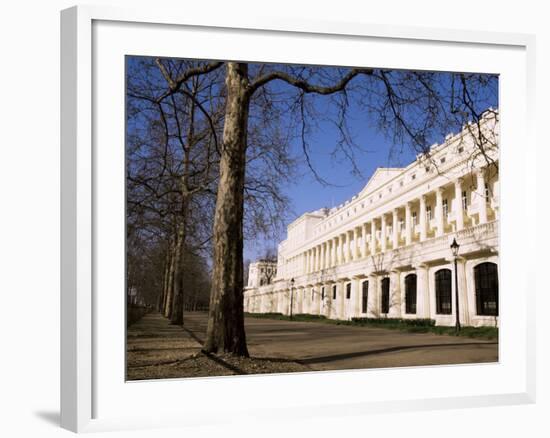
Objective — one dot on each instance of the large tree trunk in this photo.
(162, 303)
(226, 320)
(176, 316)
(170, 285)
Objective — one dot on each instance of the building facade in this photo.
(386, 252)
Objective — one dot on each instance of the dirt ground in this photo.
(156, 349)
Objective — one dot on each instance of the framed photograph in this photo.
(265, 207)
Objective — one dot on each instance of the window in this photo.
(464, 200)
(323, 293)
(385, 295)
(429, 212)
(445, 207)
(401, 183)
(348, 291)
(414, 218)
(442, 160)
(312, 294)
(413, 176)
(443, 292)
(334, 292)
(487, 194)
(410, 293)
(486, 279)
(460, 149)
(364, 296)
(379, 195)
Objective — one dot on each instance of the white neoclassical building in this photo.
(386, 252)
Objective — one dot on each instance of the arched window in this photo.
(385, 295)
(410, 293)
(486, 278)
(364, 296)
(443, 292)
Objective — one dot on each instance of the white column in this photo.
(439, 211)
(422, 292)
(422, 218)
(408, 224)
(383, 233)
(365, 244)
(335, 250)
(459, 208)
(373, 299)
(318, 258)
(463, 303)
(395, 235)
(480, 192)
(349, 244)
(341, 300)
(373, 236)
(395, 294)
(344, 247)
(355, 245)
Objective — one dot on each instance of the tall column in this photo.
(341, 300)
(355, 245)
(395, 294)
(365, 243)
(480, 192)
(373, 236)
(335, 250)
(318, 258)
(315, 258)
(348, 245)
(395, 231)
(383, 233)
(459, 208)
(422, 218)
(373, 298)
(463, 303)
(408, 224)
(324, 255)
(422, 292)
(439, 211)
(344, 247)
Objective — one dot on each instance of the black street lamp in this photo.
(291, 296)
(454, 248)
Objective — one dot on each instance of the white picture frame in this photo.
(84, 383)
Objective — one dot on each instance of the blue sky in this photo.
(308, 194)
(373, 149)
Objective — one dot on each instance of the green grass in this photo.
(406, 325)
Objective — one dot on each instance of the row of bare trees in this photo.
(211, 146)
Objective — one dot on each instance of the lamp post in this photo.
(454, 248)
(291, 296)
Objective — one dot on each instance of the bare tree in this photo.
(413, 107)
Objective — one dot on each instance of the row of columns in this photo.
(340, 249)
(309, 299)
